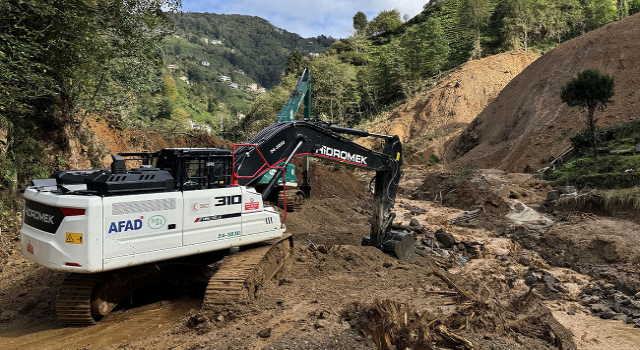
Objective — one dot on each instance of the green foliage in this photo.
(590, 90)
(475, 15)
(385, 21)
(294, 62)
(360, 22)
(334, 89)
(614, 166)
(598, 13)
(260, 48)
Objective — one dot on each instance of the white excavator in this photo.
(189, 214)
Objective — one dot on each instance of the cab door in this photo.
(212, 215)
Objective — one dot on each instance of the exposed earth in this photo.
(471, 276)
(527, 125)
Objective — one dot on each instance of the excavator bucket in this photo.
(401, 245)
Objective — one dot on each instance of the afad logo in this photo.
(200, 206)
(128, 225)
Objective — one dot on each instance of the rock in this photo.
(569, 190)
(445, 238)
(519, 207)
(617, 308)
(551, 281)
(415, 223)
(500, 251)
(525, 259)
(220, 318)
(265, 333)
(622, 318)
(553, 195)
(29, 304)
(8, 315)
(607, 315)
(597, 308)
(637, 325)
(320, 324)
(531, 278)
(637, 296)
(387, 264)
(571, 313)
(462, 260)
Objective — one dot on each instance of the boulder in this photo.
(445, 238)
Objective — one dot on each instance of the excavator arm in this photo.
(279, 143)
(302, 93)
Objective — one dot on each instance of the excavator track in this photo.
(73, 305)
(294, 200)
(242, 274)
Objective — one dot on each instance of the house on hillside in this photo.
(185, 79)
(252, 87)
(216, 42)
(234, 86)
(224, 79)
(241, 71)
(261, 91)
(314, 54)
(176, 36)
(205, 63)
(233, 50)
(241, 116)
(172, 67)
(199, 127)
(206, 40)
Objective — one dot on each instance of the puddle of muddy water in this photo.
(121, 327)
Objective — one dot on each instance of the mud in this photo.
(321, 301)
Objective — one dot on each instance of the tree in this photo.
(590, 90)
(623, 9)
(425, 49)
(170, 90)
(598, 13)
(523, 18)
(475, 15)
(385, 21)
(334, 89)
(294, 62)
(360, 22)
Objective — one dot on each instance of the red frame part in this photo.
(235, 177)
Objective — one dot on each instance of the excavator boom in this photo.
(302, 93)
(281, 142)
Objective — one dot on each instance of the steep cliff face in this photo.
(527, 125)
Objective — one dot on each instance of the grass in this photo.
(617, 165)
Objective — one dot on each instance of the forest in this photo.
(387, 59)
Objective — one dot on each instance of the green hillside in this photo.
(259, 48)
(207, 46)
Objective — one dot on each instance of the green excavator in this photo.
(295, 193)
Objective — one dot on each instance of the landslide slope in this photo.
(527, 125)
(428, 118)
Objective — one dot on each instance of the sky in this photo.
(307, 18)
